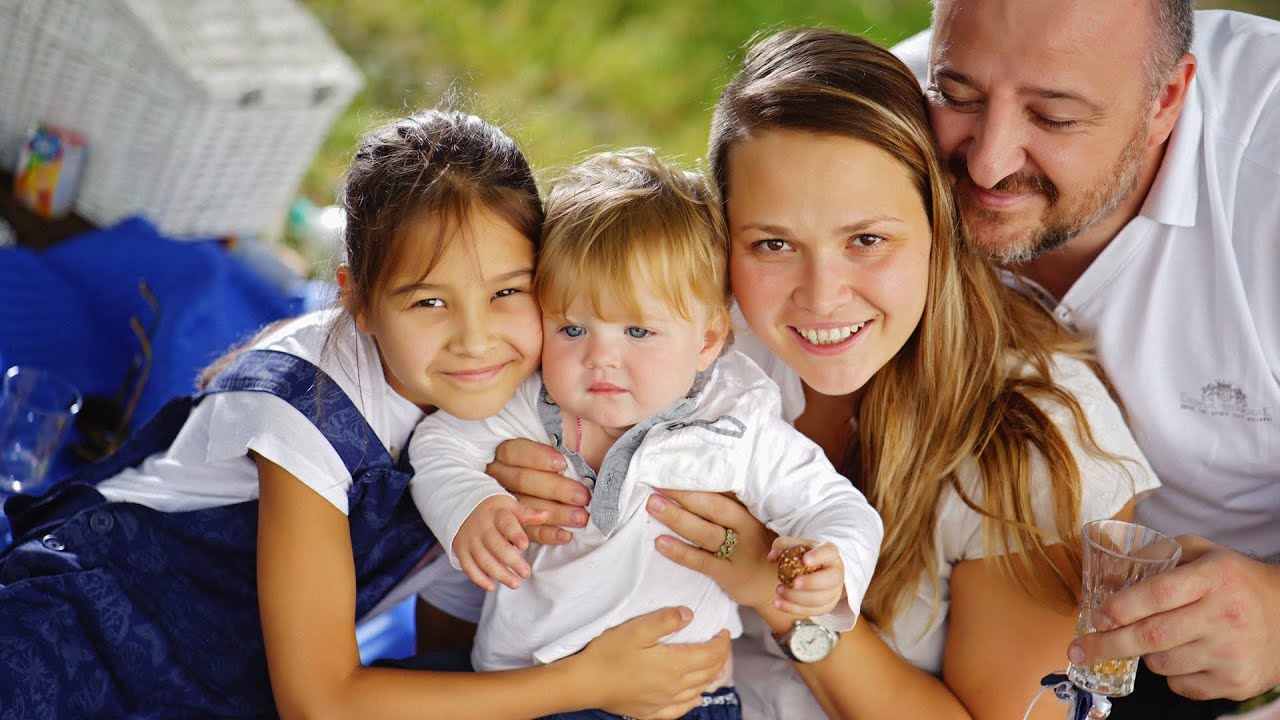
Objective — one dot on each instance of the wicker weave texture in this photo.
(201, 115)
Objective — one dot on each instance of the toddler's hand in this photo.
(489, 543)
(817, 591)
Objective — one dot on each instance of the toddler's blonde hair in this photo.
(626, 219)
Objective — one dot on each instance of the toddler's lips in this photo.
(605, 388)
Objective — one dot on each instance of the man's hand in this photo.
(531, 471)
(490, 542)
(1211, 625)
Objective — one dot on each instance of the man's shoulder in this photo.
(1237, 65)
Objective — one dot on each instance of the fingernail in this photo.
(685, 613)
(1075, 653)
(657, 503)
(1101, 622)
(578, 517)
(556, 462)
(663, 542)
(581, 496)
(563, 536)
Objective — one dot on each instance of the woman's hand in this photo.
(640, 676)
(746, 574)
(531, 471)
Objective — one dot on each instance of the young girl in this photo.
(970, 418)
(241, 534)
(637, 392)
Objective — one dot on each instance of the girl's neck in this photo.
(826, 421)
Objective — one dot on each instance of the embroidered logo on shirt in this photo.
(1223, 399)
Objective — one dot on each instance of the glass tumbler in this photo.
(1117, 554)
(36, 408)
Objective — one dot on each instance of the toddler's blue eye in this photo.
(573, 331)
(638, 332)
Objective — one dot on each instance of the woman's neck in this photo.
(826, 421)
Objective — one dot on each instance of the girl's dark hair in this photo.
(441, 163)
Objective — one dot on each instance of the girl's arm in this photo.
(1000, 641)
(307, 590)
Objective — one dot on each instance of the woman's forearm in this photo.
(864, 679)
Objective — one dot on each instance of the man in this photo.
(1133, 177)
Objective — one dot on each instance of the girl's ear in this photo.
(343, 276)
(714, 340)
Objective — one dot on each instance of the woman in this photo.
(969, 417)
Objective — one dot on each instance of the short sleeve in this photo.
(1106, 483)
(271, 427)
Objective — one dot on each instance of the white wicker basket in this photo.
(201, 115)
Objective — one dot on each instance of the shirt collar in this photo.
(1175, 193)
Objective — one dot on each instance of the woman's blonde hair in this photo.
(622, 218)
(964, 385)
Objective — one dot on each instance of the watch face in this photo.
(810, 642)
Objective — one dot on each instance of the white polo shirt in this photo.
(1184, 303)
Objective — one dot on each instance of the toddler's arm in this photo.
(794, 490)
(449, 455)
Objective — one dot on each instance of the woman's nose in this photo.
(825, 287)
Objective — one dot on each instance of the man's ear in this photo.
(714, 340)
(343, 277)
(1167, 104)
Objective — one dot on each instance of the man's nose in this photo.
(997, 147)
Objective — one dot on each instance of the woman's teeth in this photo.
(829, 336)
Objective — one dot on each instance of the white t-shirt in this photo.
(727, 437)
(207, 465)
(1184, 303)
(770, 687)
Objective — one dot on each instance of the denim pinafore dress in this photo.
(113, 609)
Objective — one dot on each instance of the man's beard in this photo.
(1063, 219)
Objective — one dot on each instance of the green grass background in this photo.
(569, 76)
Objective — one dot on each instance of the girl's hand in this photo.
(818, 591)
(639, 676)
(531, 471)
(746, 574)
(490, 542)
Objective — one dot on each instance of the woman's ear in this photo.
(343, 276)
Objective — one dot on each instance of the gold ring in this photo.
(726, 547)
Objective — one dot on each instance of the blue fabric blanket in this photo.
(67, 309)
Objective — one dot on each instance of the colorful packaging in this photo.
(48, 170)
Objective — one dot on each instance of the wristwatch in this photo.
(807, 641)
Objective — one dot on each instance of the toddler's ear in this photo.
(713, 342)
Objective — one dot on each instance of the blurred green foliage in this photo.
(568, 76)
